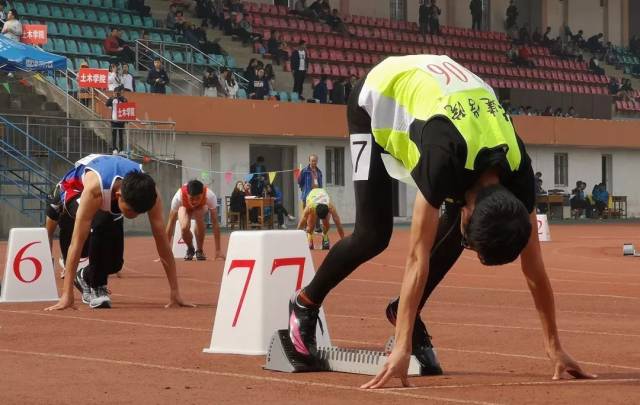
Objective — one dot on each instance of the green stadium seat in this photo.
(68, 13)
(62, 83)
(96, 48)
(75, 30)
(32, 9)
(56, 12)
(79, 14)
(241, 94)
(58, 45)
(72, 46)
(84, 2)
(231, 62)
(166, 37)
(87, 31)
(147, 22)
(199, 59)
(284, 96)
(96, 3)
(43, 10)
(141, 86)
(136, 21)
(121, 4)
(134, 36)
(114, 18)
(294, 97)
(178, 57)
(124, 35)
(90, 15)
(93, 63)
(107, 3)
(63, 28)
(101, 33)
(21, 9)
(126, 19)
(48, 46)
(52, 28)
(103, 17)
(154, 36)
(103, 63)
(83, 47)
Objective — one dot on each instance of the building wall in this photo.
(586, 15)
(614, 21)
(552, 16)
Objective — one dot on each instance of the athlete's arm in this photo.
(88, 204)
(213, 212)
(423, 232)
(336, 220)
(171, 225)
(303, 219)
(540, 287)
(51, 226)
(166, 255)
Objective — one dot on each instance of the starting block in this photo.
(262, 271)
(629, 250)
(544, 234)
(28, 274)
(283, 357)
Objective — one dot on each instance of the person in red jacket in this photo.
(115, 46)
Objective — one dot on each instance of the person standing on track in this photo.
(192, 201)
(93, 198)
(428, 121)
(318, 207)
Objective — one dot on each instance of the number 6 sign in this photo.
(262, 272)
(28, 273)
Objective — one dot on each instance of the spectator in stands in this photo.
(170, 20)
(259, 88)
(210, 83)
(610, 56)
(277, 48)
(316, 7)
(230, 84)
(117, 126)
(127, 79)
(236, 6)
(512, 54)
(524, 37)
(546, 41)
(558, 112)
(138, 6)
(548, 112)
(512, 16)
(245, 31)
(337, 94)
(12, 27)
(600, 197)
(475, 6)
(423, 20)
(539, 189)
(181, 22)
(353, 79)
(250, 71)
(310, 177)
(237, 203)
(114, 46)
(259, 180)
(335, 22)
(578, 39)
(524, 56)
(114, 78)
(270, 75)
(614, 86)
(3, 15)
(157, 78)
(571, 113)
(84, 93)
(320, 90)
(300, 8)
(433, 18)
(536, 37)
(626, 90)
(594, 66)
(299, 65)
(594, 43)
(634, 45)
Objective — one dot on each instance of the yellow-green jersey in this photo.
(318, 196)
(440, 126)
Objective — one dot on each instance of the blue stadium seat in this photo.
(72, 46)
(48, 46)
(52, 28)
(93, 63)
(96, 48)
(231, 62)
(63, 29)
(140, 86)
(284, 96)
(56, 12)
(87, 31)
(103, 17)
(166, 37)
(154, 36)
(75, 30)
(242, 94)
(90, 15)
(136, 20)
(126, 19)
(32, 9)
(114, 18)
(134, 36)
(101, 33)
(147, 22)
(83, 47)
(78, 13)
(58, 45)
(178, 57)
(68, 13)
(20, 8)
(294, 97)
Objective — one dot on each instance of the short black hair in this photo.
(195, 187)
(139, 191)
(322, 210)
(499, 227)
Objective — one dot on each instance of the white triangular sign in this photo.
(262, 271)
(544, 234)
(28, 273)
(179, 247)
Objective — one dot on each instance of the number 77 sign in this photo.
(262, 272)
(28, 273)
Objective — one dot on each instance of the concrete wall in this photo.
(586, 15)
(552, 16)
(614, 22)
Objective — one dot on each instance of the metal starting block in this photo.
(429, 363)
(282, 356)
(629, 250)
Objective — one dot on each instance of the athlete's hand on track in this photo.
(64, 303)
(563, 362)
(397, 365)
(176, 301)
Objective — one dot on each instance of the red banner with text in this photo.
(126, 111)
(34, 34)
(93, 78)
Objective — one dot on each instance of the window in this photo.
(398, 10)
(334, 169)
(561, 169)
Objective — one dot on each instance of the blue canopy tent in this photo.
(18, 56)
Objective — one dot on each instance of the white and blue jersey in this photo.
(108, 168)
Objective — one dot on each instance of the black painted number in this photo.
(364, 145)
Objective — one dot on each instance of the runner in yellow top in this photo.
(428, 121)
(318, 205)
